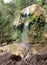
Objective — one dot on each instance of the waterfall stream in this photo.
(25, 32)
(24, 41)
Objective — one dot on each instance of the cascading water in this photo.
(24, 41)
(25, 36)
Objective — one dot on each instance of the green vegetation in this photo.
(36, 29)
(8, 12)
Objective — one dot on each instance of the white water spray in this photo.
(26, 11)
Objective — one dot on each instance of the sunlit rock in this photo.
(31, 9)
(29, 14)
(15, 49)
(17, 21)
(44, 35)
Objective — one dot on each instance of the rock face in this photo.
(33, 12)
(40, 58)
(15, 54)
(34, 15)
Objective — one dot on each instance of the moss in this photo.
(36, 25)
(36, 29)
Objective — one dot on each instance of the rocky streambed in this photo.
(10, 59)
(36, 56)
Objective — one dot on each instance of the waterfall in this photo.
(25, 32)
(24, 41)
(26, 11)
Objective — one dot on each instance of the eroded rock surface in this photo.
(37, 55)
(33, 12)
(31, 59)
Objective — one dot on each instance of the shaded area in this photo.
(32, 59)
(8, 59)
(16, 58)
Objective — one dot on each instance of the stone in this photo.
(44, 35)
(33, 12)
(15, 49)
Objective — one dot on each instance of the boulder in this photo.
(29, 14)
(15, 49)
(44, 35)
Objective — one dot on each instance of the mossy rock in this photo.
(29, 14)
(33, 14)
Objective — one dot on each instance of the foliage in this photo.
(36, 29)
(8, 12)
(41, 2)
(6, 18)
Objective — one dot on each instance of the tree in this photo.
(6, 19)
